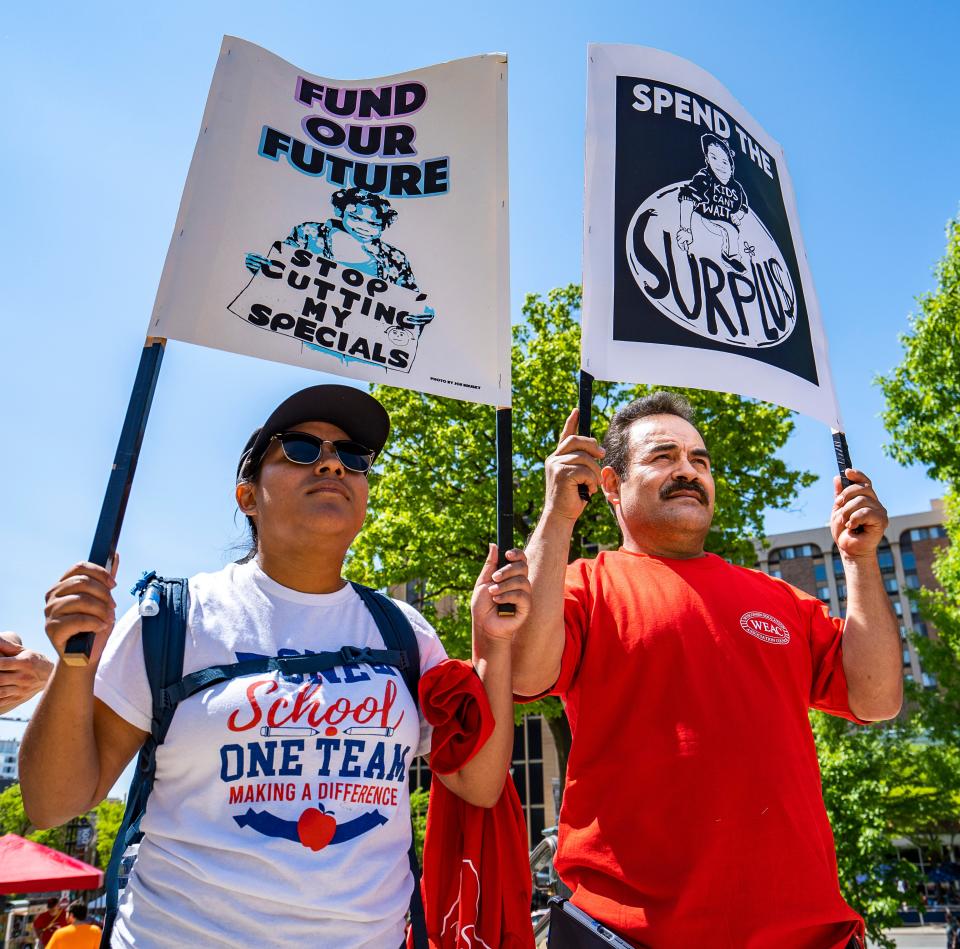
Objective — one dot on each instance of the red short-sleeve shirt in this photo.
(47, 923)
(693, 813)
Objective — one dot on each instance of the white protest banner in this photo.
(355, 227)
(694, 268)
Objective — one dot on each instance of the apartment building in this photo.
(9, 769)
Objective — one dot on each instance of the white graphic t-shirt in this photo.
(280, 814)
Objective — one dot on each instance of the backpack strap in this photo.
(397, 633)
(195, 682)
(164, 640)
(163, 636)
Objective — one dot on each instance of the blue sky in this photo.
(102, 104)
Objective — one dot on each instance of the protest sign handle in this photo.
(504, 495)
(76, 652)
(842, 452)
(584, 403)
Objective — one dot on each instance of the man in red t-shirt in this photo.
(48, 922)
(693, 814)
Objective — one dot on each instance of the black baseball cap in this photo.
(357, 412)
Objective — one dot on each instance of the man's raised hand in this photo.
(858, 519)
(575, 462)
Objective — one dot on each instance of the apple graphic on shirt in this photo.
(316, 828)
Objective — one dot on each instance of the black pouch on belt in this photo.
(572, 928)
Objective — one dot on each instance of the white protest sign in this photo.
(355, 227)
(695, 272)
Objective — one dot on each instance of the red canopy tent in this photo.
(27, 867)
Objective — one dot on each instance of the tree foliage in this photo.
(14, 820)
(921, 417)
(923, 392)
(109, 816)
(922, 395)
(865, 794)
(879, 783)
(419, 798)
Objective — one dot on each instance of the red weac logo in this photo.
(765, 627)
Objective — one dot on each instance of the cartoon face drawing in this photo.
(719, 162)
(399, 336)
(362, 222)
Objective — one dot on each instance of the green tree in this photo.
(109, 815)
(928, 795)
(879, 783)
(921, 418)
(14, 820)
(871, 778)
(419, 798)
(433, 498)
(923, 392)
(922, 395)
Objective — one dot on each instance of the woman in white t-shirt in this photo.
(280, 812)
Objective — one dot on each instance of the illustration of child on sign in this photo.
(718, 198)
(353, 238)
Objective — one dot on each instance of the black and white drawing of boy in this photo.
(353, 238)
(717, 197)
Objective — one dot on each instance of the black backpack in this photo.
(164, 637)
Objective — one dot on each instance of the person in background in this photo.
(953, 931)
(51, 919)
(78, 933)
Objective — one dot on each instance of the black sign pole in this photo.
(842, 452)
(504, 495)
(76, 652)
(584, 403)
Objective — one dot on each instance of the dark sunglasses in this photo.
(304, 449)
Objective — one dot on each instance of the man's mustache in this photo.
(675, 487)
